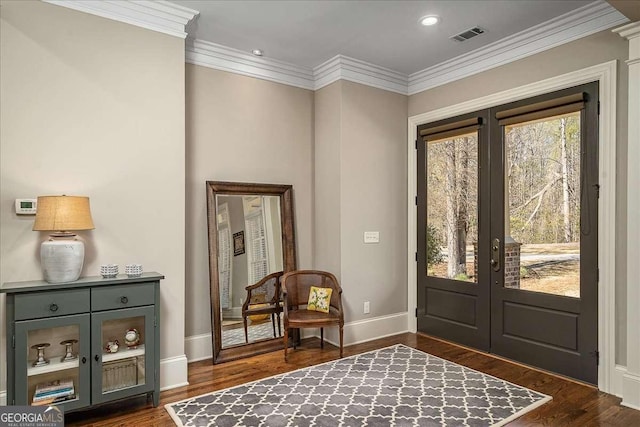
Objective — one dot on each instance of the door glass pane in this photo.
(542, 184)
(123, 353)
(452, 207)
(52, 367)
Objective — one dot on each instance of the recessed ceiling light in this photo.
(257, 52)
(429, 20)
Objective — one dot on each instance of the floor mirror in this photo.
(251, 242)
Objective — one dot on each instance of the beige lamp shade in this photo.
(63, 213)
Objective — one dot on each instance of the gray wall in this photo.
(239, 272)
(595, 49)
(246, 130)
(328, 131)
(94, 107)
(360, 160)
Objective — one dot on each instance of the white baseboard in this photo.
(198, 347)
(618, 380)
(368, 329)
(626, 386)
(173, 372)
(631, 391)
(232, 313)
(3, 398)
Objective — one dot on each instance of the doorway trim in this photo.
(605, 74)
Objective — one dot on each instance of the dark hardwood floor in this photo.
(573, 404)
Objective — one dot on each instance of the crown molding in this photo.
(162, 16)
(629, 31)
(170, 18)
(587, 20)
(342, 67)
(219, 57)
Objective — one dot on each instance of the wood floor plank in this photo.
(573, 404)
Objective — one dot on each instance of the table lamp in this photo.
(62, 255)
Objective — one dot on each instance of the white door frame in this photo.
(605, 74)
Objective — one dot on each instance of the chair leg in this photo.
(286, 342)
(321, 337)
(340, 341)
(279, 330)
(246, 333)
(273, 322)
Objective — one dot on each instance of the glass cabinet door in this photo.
(123, 346)
(53, 355)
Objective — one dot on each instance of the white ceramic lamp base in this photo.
(61, 259)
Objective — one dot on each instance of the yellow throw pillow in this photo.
(319, 299)
(257, 301)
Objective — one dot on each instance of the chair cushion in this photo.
(311, 319)
(261, 311)
(319, 299)
(258, 308)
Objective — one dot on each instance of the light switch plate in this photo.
(372, 237)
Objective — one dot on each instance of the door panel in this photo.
(550, 324)
(451, 306)
(453, 295)
(53, 332)
(540, 325)
(127, 369)
(525, 285)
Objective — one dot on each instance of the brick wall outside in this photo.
(511, 264)
(475, 262)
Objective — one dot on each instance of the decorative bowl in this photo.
(133, 270)
(109, 270)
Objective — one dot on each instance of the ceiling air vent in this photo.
(468, 34)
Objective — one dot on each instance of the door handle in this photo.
(495, 254)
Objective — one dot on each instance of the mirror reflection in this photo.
(250, 263)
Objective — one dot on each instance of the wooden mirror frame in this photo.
(214, 188)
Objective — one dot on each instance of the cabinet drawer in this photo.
(122, 296)
(52, 303)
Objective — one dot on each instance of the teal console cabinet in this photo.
(83, 343)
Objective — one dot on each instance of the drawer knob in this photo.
(124, 300)
(53, 307)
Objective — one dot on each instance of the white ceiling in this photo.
(385, 33)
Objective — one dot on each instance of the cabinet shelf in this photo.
(54, 365)
(123, 354)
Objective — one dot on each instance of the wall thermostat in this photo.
(26, 206)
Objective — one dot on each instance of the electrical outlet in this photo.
(372, 237)
(366, 307)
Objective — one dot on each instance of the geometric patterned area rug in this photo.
(393, 386)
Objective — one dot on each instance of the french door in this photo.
(507, 230)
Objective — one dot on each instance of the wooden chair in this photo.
(295, 295)
(263, 298)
